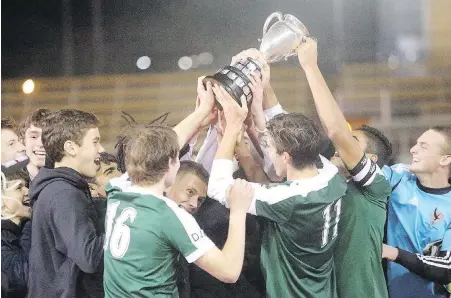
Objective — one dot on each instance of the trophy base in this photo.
(235, 80)
(213, 82)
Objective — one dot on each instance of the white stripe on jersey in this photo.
(440, 262)
(300, 187)
(221, 178)
(121, 182)
(366, 171)
(278, 193)
(366, 168)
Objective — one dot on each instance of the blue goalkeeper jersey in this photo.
(417, 216)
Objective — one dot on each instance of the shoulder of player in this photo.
(327, 176)
(171, 209)
(303, 191)
(399, 175)
(118, 184)
(379, 187)
(398, 170)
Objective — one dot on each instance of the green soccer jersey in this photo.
(145, 233)
(301, 232)
(361, 228)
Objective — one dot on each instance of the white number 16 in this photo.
(118, 237)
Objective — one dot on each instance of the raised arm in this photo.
(226, 264)
(235, 117)
(189, 126)
(251, 168)
(221, 176)
(329, 112)
(272, 202)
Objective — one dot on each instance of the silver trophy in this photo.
(279, 42)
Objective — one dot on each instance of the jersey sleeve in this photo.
(369, 178)
(186, 236)
(433, 268)
(273, 202)
(395, 173)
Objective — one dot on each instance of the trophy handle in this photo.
(292, 53)
(269, 19)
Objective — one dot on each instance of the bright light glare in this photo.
(143, 62)
(185, 63)
(205, 58)
(195, 60)
(28, 86)
(393, 62)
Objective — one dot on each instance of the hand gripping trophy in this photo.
(279, 42)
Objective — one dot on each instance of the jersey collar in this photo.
(434, 191)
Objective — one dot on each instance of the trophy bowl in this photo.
(235, 80)
(279, 41)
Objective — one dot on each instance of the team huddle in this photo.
(328, 199)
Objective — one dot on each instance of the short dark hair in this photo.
(327, 148)
(297, 135)
(14, 176)
(446, 132)
(107, 158)
(37, 118)
(192, 167)
(377, 143)
(148, 151)
(64, 125)
(9, 123)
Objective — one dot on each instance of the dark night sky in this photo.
(165, 30)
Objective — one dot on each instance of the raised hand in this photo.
(234, 114)
(211, 118)
(251, 53)
(308, 53)
(240, 196)
(205, 96)
(257, 92)
(257, 55)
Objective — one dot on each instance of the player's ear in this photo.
(445, 160)
(373, 157)
(286, 158)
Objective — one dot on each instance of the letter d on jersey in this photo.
(197, 236)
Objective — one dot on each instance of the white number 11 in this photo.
(327, 222)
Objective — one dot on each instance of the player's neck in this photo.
(32, 170)
(433, 180)
(306, 173)
(157, 188)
